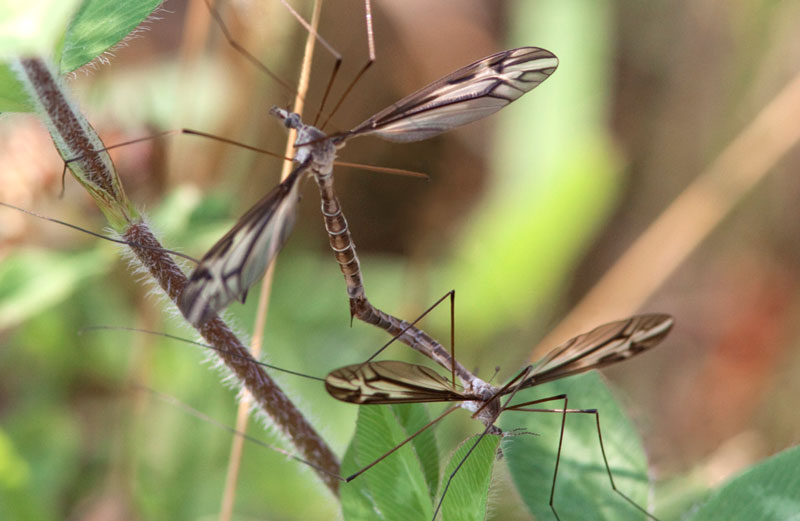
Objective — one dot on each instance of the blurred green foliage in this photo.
(467, 497)
(557, 176)
(76, 439)
(398, 487)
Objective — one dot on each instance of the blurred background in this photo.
(524, 213)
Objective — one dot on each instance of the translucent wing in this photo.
(470, 93)
(241, 256)
(389, 381)
(602, 346)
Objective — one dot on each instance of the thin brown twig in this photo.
(690, 219)
(243, 412)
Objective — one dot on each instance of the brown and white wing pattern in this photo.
(602, 346)
(242, 255)
(389, 381)
(470, 93)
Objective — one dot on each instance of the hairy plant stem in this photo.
(74, 137)
(264, 391)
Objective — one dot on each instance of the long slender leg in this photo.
(333, 52)
(525, 407)
(204, 417)
(353, 476)
(100, 235)
(244, 356)
(452, 475)
(199, 133)
(179, 131)
(452, 295)
(370, 61)
(244, 52)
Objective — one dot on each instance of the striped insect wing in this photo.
(468, 94)
(240, 258)
(389, 381)
(602, 346)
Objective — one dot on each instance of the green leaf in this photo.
(98, 26)
(36, 27)
(582, 491)
(395, 488)
(466, 498)
(769, 491)
(413, 419)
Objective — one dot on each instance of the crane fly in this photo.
(395, 382)
(242, 255)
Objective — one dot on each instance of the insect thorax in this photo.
(487, 393)
(311, 143)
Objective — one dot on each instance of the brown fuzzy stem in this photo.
(237, 358)
(74, 137)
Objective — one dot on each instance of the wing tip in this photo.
(654, 327)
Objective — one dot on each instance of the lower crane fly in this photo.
(394, 382)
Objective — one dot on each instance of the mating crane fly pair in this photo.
(242, 255)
